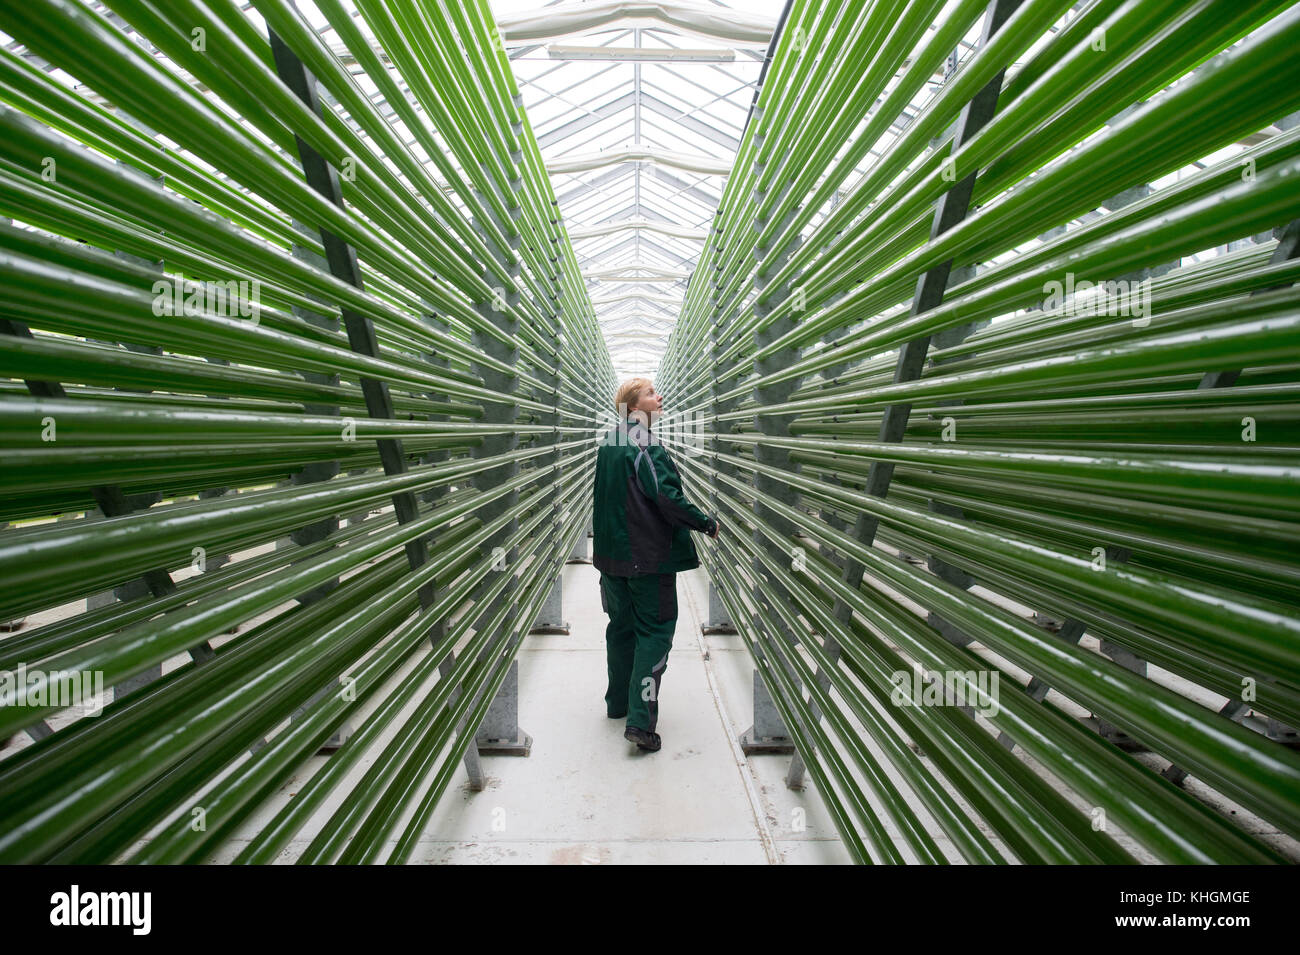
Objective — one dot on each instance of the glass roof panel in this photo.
(596, 94)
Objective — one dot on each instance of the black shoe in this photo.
(617, 716)
(644, 739)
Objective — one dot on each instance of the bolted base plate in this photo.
(521, 746)
(765, 746)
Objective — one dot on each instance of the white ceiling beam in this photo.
(645, 338)
(632, 274)
(575, 19)
(639, 225)
(639, 54)
(703, 165)
(634, 323)
(675, 301)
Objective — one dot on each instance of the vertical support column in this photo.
(937, 565)
(830, 376)
(581, 549)
(321, 470)
(775, 425)
(502, 313)
(440, 630)
(551, 618)
(768, 734)
(719, 617)
(431, 496)
(500, 733)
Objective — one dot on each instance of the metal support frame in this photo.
(322, 470)
(1095, 391)
(765, 589)
(767, 736)
(341, 262)
(551, 619)
(719, 618)
(500, 734)
(950, 209)
(504, 411)
(581, 553)
(430, 251)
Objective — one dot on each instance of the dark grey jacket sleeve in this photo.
(658, 478)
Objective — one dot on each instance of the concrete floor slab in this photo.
(587, 796)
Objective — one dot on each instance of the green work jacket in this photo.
(642, 521)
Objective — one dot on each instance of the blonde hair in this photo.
(629, 393)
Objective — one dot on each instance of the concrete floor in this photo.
(586, 796)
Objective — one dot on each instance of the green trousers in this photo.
(642, 617)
